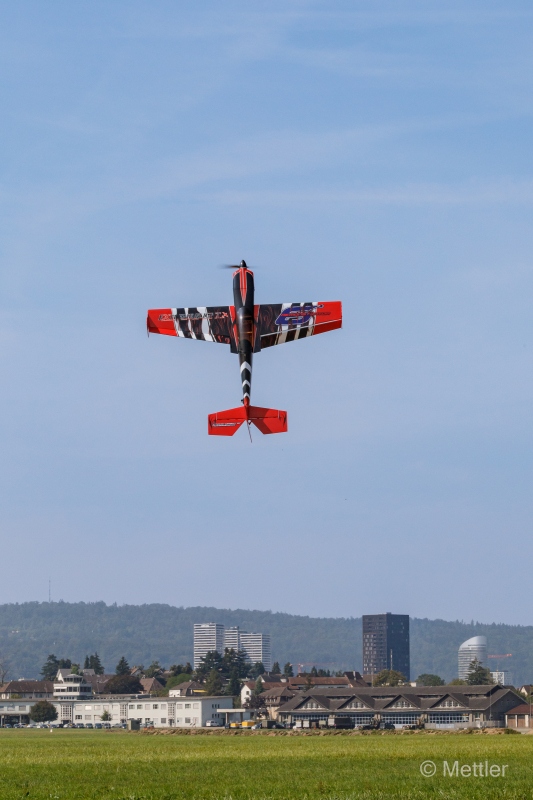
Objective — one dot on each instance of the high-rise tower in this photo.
(386, 643)
(476, 647)
(207, 636)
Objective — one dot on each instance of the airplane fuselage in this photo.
(243, 298)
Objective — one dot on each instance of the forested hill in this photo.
(30, 631)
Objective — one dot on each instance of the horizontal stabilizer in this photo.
(268, 420)
(226, 423)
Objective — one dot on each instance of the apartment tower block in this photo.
(386, 643)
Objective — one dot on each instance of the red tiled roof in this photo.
(524, 708)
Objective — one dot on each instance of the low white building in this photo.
(161, 712)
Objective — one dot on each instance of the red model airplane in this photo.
(247, 329)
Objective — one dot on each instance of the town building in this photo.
(213, 636)
(300, 682)
(386, 643)
(208, 636)
(429, 706)
(187, 689)
(232, 638)
(276, 697)
(520, 716)
(503, 677)
(257, 648)
(27, 690)
(476, 647)
(71, 686)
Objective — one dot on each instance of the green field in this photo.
(135, 766)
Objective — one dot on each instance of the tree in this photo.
(211, 661)
(96, 664)
(4, 670)
(276, 669)
(256, 701)
(457, 682)
(75, 669)
(314, 672)
(235, 660)
(428, 679)
(478, 675)
(234, 685)
(51, 666)
(287, 670)
(258, 688)
(123, 668)
(87, 663)
(106, 716)
(43, 711)
(308, 683)
(154, 670)
(389, 677)
(213, 684)
(123, 684)
(257, 669)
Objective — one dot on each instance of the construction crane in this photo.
(316, 664)
(507, 655)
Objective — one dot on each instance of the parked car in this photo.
(89, 725)
(106, 724)
(80, 725)
(98, 725)
(8, 726)
(214, 723)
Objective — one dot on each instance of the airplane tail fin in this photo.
(226, 423)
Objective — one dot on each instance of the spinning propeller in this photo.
(236, 266)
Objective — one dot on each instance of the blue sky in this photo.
(371, 152)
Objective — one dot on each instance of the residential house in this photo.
(151, 685)
(187, 689)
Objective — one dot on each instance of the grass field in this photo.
(107, 764)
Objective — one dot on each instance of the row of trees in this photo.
(478, 675)
(234, 667)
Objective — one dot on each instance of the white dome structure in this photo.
(476, 647)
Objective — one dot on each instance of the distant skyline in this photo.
(363, 152)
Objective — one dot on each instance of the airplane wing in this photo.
(286, 322)
(207, 323)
